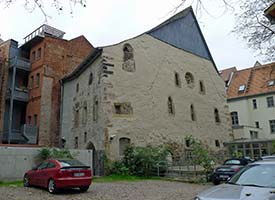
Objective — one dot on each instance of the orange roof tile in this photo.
(255, 80)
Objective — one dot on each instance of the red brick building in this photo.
(49, 58)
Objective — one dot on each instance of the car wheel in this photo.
(26, 182)
(51, 186)
(84, 188)
(215, 181)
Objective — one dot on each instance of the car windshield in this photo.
(70, 163)
(258, 175)
(232, 162)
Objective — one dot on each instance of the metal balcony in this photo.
(19, 94)
(20, 63)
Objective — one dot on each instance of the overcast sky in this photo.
(108, 22)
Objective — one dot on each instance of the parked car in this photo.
(55, 174)
(228, 169)
(270, 157)
(254, 182)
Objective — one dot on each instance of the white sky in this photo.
(110, 21)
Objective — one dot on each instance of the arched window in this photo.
(128, 53)
(91, 78)
(234, 118)
(124, 143)
(189, 79)
(217, 116)
(171, 109)
(177, 79)
(193, 115)
(202, 88)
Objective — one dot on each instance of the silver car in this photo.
(256, 181)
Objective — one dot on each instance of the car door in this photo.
(47, 173)
(40, 173)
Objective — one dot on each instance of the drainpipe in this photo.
(60, 114)
(11, 100)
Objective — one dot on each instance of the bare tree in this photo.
(31, 5)
(255, 28)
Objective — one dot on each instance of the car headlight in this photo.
(197, 198)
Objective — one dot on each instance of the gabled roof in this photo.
(182, 31)
(257, 81)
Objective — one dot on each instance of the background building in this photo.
(250, 96)
(156, 88)
(30, 89)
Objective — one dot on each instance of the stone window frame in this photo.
(190, 80)
(254, 104)
(217, 116)
(128, 52)
(270, 101)
(202, 87)
(171, 106)
(217, 143)
(177, 79)
(91, 78)
(272, 126)
(118, 109)
(192, 113)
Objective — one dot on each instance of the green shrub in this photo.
(47, 153)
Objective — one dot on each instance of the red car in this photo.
(54, 174)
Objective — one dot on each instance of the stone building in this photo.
(30, 88)
(250, 96)
(152, 89)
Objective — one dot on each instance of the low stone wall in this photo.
(15, 161)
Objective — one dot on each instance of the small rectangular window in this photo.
(234, 118)
(123, 108)
(33, 56)
(38, 56)
(270, 102)
(76, 142)
(37, 80)
(272, 126)
(35, 119)
(85, 137)
(253, 134)
(217, 142)
(257, 124)
(31, 82)
(254, 103)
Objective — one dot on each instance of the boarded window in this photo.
(217, 115)
(124, 143)
(171, 108)
(123, 108)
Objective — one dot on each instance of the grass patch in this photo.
(114, 178)
(11, 183)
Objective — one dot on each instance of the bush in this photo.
(47, 153)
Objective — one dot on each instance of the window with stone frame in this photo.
(128, 52)
(202, 88)
(234, 118)
(257, 124)
(95, 109)
(253, 134)
(177, 80)
(217, 143)
(85, 137)
(91, 78)
(189, 79)
(254, 103)
(217, 115)
(124, 108)
(77, 88)
(193, 114)
(76, 142)
(124, 143)
(270, 101)
(171, 107)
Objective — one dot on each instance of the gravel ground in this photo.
(142, 190)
